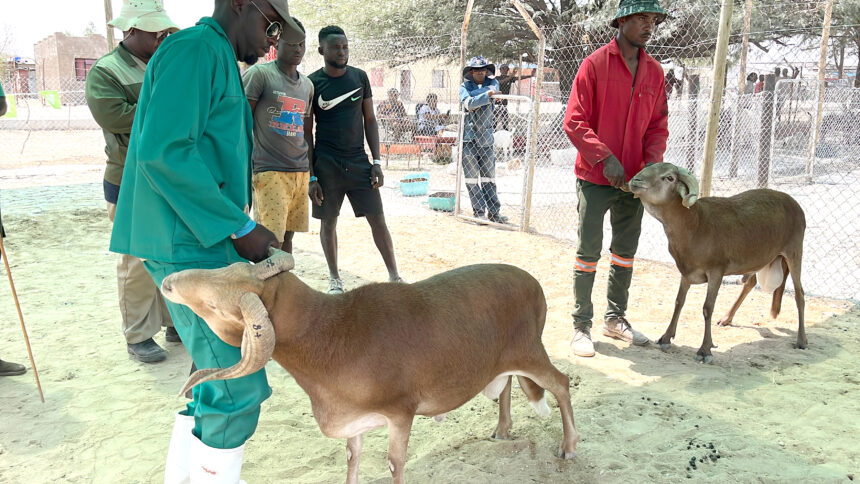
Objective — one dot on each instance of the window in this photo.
(82, 67)
(438, 80)
(377, 76)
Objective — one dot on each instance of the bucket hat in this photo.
(146, 15)
(631, 7)
(479, 62)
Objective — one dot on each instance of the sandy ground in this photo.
(770, 412)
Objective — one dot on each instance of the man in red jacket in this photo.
(617, 120)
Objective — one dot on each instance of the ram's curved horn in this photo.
(278, 262)
(258, 342)
(688, 187)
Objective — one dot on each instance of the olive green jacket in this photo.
(112, 90)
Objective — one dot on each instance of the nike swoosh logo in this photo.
(326, 105)
(356, 98)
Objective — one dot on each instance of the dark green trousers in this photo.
(625, 216)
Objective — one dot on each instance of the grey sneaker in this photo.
(619, 328)
(581, 343)
(335, 286)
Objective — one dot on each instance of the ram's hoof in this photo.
(565, 455)
(706, 359)
(664, 346)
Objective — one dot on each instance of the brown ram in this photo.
(383, 353)
(754, 233)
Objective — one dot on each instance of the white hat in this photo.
(146, 15)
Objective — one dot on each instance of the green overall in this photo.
(185, 189)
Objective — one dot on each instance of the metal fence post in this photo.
(742, 96)
(766, 134)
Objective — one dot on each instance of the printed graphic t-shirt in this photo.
(279, 118)
(338, 111)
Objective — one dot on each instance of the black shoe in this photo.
(479, 214)
(8, 368)
(497, 218)
(171, 336)
(147, 351)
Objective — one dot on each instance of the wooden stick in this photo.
(111, 43)
(822, 65)
(716, 98)
(532, 148)
(464, 34)
(21, 317)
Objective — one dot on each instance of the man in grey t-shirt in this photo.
(280, 98)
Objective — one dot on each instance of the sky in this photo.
(26, 25)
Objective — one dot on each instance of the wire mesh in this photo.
(763, 139)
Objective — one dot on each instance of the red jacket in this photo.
(602, 117)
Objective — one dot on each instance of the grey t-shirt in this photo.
(283, 105)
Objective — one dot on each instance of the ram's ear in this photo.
(278, 262)
(688, 187)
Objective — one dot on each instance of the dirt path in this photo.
(770, 412)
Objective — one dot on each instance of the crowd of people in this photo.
(192, 144)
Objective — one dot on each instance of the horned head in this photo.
(228, 299)
(663, 183)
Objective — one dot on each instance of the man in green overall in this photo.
(184, 204)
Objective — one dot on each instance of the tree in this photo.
(573, 28)
(90, 29)
(845, 31)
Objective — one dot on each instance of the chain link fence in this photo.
(763, 140)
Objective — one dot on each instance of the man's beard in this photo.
(251, 59)
(336, 65)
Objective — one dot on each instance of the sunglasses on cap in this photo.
(274, 28)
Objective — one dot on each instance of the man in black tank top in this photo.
(343, 112)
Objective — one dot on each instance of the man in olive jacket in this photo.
(112, 88)
(183, 204)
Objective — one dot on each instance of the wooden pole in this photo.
(766, 133)
(718, 85)
(692, 120)
(463, 36)
(742, 80)
(822, 66)
(21, 318)
(532, 149)
(108, 17)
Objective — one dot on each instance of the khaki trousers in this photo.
(140, 302)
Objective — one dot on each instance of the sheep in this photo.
(757, 233)
(383, 353)
(503, 140)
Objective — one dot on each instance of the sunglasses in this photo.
(274, 28)
(162, 35)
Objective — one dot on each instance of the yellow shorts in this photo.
(281, 201)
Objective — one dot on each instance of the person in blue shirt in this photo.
(479, 164)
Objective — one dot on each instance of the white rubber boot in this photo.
(176, 466)
(215, 466)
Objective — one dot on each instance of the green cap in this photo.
(631, 7)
